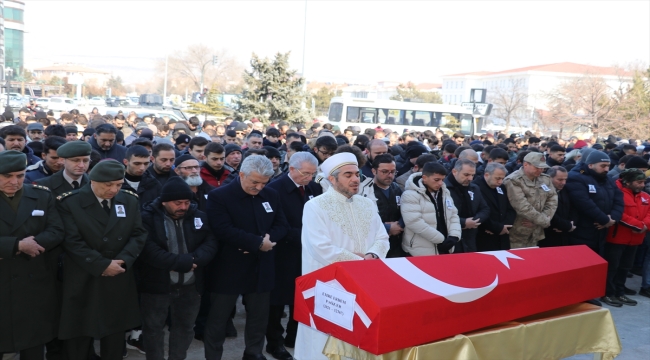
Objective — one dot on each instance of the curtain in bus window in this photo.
(394, 118)
(408, 117)
(352, 114)
(437, 117)
(382, 114)
(334, 115)
(422, 118)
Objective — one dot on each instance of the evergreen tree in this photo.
(272, 92)
(213, 106)
(409, 92)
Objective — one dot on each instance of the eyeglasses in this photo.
(196, 167)
(306, 174)
(386, 172)
(326, 153)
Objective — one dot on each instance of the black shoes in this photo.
(629, 291)
(645, 292)
(198, 337)
(625, 300)
(611, 301)
(134, 344)
(231, 332)
(253, 357)
(279, 352)
(594, 302)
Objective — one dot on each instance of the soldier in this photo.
(76, 155)
(532, 195)
(30, 228)
(103, 237)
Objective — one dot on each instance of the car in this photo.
(43, 102)
(96, 101)
(60, 103)
(17, 102)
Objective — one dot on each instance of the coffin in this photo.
(391, 304)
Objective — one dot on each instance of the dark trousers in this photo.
(33, 353)
(275, 330)
(183, 303)
(111, 347)
(257, 316)
(619, 261)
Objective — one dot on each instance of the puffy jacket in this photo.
(635, 216)
(419, 214)
(212, 177)
(36, 172)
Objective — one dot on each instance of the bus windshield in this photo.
(336, 110)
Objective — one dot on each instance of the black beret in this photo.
(11, 161)
(272, 152)
(183, 158)
(73, 149)
(107, 170)
(183, 139)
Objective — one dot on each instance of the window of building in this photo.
(13, 14)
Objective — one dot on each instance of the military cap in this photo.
(73, 149)
(107, 170)
(11, 161)
(536, 159)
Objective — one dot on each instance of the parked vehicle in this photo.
(61, 104)
(43, 102)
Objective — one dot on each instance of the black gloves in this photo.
(446, 245)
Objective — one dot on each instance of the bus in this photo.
(400, 116)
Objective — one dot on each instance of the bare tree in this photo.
(509, 102)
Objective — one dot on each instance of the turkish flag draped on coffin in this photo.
(391, 304)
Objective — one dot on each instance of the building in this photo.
(70, 71)
(533, 82)
(12, 38)
(384, 90)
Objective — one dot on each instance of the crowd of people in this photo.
(115, 227)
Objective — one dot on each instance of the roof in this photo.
(428, 86)
(564, 67)
(72, 69)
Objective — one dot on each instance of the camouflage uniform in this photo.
(534, 200)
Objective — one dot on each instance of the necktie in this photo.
(302, 192)
(75, 185)
(105, 206)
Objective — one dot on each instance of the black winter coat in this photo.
(155, 261)
(561, 220)
(501, 213)
(240, 222)
(592, 200)
(389, 211)
(148, 189)
(116, 152)
(479, 210)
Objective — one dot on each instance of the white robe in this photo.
(333, 229)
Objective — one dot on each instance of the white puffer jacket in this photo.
(420, 234)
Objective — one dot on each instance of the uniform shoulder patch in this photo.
(45, 188)
(130, 193)
(319, 178)
(64, 195)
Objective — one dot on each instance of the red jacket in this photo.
(635, 215)
(207, 176)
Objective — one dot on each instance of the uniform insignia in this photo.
(319, 178)
(130, 193)
(40, 187)
(64, 195)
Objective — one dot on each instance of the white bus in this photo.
(398, 115)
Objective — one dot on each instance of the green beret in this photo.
(11, 161)
(107, 170)
(73, 149)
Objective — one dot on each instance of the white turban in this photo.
(337, 161)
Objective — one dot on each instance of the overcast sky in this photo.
(353, 41)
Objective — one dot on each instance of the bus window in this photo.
(381, 116)
(334, 115)
(393, 118)
(422, 118)
(367, 117)
(466, 122)
(437, 118)
(407, 116)
(353, 114)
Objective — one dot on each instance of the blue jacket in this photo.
(117, 152)
(239, 222)
(31, 158)
(37, 172)
(592, 200)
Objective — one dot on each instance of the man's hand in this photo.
(489, 232)
(506, 229)
(360, 255)
(267, 244)
(527, 223)
(610, 223)
(557, 230)
(471, 224)
(573, 227)
(30, 247)
(395, 228)
(115, 268)
(194, 266)
(369, 257)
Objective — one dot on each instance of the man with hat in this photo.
(103, 237)
(76, 159)
(181, 143)
(71, 133)
(189, 169)
(30, 227)
(596, 200)
(337, 226)
(35, 131)
(233, 157)
(532, 195)
(51, 162)
(179, 246)
(274, 155)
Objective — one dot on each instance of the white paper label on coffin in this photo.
(409, 272)
(335, 284)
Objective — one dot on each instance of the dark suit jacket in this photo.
(477, 208)
(239, 222)
(561, 220)
(288, 251)
(29, 306)
(58, 184)
(501, 213)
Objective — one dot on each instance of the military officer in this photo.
(30, 228)
(103, 237)
(76, 155)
